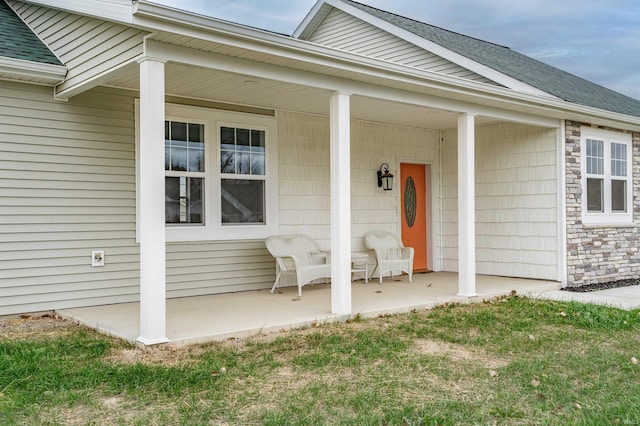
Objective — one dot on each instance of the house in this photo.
(510, 166)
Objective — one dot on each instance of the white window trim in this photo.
(607, 217)
(213, 230)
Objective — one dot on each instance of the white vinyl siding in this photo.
(516, 201)
(200, 268)
(87, 46)
(67, 187)
(346, 32)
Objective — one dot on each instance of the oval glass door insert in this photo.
(410, 202)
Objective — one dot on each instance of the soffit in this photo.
(197, 83)
(417, 86)
(377, 77)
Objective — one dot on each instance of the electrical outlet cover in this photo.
(97, 258)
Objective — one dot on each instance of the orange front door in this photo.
(413, 205)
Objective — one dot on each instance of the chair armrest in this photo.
(407, 252)
(301, 259)
(319, 257)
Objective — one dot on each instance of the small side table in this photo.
(360, 263)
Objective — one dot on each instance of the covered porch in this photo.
(236, 315)
(325, 129)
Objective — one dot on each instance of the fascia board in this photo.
(112, 10)
(415, 90)
(319, 11)
(435, 48)
(44, 73)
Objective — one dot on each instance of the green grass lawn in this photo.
(512, 361)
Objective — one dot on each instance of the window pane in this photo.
(227, 138)
(167, 155)
(196, 133)
(257, 164)
(257, 140)
(184, 200)
(595, 195)
(618, 159)
(243, 163)
(178, 131)
(196, 157)
(619, 195)
(228, 162)
(178, 156)
(595, 157)
(242, 139)
(242, 201)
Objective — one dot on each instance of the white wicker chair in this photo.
(391, 254)
(298, 255)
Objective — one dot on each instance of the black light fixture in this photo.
(385, 179)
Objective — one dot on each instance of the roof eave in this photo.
(37, 72)
(152, 16)
(311, 21)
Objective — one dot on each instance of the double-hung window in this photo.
(185, 174)
(607, 177)
(242, 175)
(220, 174)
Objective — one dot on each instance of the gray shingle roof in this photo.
(516, 65)
(17, 41)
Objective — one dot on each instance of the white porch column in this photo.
(340, 135)
(466, 206)
(152, 220)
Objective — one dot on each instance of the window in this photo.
(607, 176)
(184, 165)
(221, 174)
(242, 168)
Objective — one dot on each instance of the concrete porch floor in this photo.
(219, 317)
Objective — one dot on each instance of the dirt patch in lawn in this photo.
(458, 353)
(165, 355)
(35, 327)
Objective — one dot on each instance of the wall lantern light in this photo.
(385, 179)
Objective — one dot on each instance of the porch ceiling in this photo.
(219, 86)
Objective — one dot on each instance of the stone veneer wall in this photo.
(598, 253)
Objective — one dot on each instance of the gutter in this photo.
(38, 72)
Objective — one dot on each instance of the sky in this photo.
(598, 40)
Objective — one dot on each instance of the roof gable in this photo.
(503, 60)
(17, 41)
(346, 32)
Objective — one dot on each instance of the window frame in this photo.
(188, 174)
(213, 229)
(607, 216)
(221, 176)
